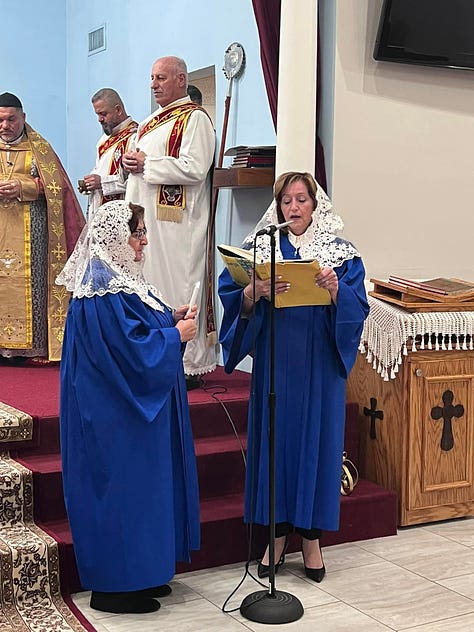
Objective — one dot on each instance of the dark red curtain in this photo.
(267, 16)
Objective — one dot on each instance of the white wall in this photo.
(403, 176)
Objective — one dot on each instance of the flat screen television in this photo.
(427, 32)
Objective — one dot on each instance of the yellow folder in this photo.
(300, 273)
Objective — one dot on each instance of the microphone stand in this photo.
(271, 606)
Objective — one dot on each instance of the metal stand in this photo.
(272, 606)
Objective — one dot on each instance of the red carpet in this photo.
(369, 512)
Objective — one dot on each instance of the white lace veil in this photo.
(320, 240)
(103, 261)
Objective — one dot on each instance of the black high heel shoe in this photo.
(315, 574)
(263, 570)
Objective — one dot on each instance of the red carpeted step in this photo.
(219, 404)
(221, 471)
(212, 417)
(369, 512)
(221, 467)
(48, 503)
(45, 438)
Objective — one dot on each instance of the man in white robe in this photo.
(106, 181)
(169, 174)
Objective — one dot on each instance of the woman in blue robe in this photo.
(315, 348)
(128, 461)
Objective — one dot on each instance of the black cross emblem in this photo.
(374, 414)
(447, 413)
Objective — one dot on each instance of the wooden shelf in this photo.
(233, 177)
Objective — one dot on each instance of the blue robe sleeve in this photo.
(118, 343)
(237, 334)
(348, 316)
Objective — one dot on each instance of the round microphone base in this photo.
(262, 607)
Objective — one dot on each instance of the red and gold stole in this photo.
(171, 198)
(120, 142)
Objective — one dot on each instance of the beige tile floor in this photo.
(421, 580)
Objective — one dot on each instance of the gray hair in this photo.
(109, 95)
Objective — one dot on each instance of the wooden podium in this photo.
(417, 432)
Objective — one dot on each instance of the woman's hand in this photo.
(328, 280)
(182, 312)
(262, 289)
(185, 319)
(187, 329)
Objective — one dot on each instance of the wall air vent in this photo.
(97, 40)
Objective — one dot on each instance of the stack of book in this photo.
(433, 295)
(252, 156)
(441, 286)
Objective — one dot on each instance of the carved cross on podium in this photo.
(447, 413)
(374, 414)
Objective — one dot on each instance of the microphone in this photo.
(272, 228)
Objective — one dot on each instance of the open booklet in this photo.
(299, 273)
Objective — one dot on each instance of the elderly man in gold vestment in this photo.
(40, 222)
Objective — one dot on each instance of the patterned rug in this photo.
(30, 593)
(15, 425)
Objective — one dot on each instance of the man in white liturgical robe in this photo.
(106, 181)
(168, 168)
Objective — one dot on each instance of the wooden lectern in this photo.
(417, 429)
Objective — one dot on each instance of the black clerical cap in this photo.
(8, 100)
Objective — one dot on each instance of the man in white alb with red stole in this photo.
(106, 181)
(169, 174)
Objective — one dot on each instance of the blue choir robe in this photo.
(315, 348)
(129, 468)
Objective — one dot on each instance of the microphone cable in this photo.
(213, 391)
(247, 571)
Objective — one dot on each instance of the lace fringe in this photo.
(388, 331)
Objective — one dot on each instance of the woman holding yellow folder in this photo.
(315, 349)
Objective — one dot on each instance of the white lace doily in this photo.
(388, 330)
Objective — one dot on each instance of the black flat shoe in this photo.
(316, 574)
(156, 591)
(123, 602)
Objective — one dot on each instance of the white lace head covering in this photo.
(321, 239)
(104, 262)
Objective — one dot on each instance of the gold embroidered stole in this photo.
(17, 333)
(171, 198)
(120, 142)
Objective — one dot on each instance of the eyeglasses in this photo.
(139, 233)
